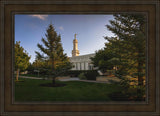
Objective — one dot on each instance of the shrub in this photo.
(73, 73)
(82, 76)
(91, 75)
(110, 72)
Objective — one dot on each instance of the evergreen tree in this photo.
(130, 30)
(21, 58)
(102, 60)
(56, 62)
(126, 50)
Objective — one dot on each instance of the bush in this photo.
(110, 72)
(82, 76)
(91, 75)
(74, 73)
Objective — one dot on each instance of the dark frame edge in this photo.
(2, 58)
(158, 57)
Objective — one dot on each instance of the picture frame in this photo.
(10, 8)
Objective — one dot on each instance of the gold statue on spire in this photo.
(75, 35)
(75, 51)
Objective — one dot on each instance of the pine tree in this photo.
(126, 50)
(130, 31)
(21, 58)
(55, 60)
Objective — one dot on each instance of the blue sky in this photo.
(90, 30)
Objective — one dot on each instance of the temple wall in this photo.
(82, 62)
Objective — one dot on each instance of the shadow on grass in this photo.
(18, 81)
(53, 85)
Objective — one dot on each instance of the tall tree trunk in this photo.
(140, 81)
(140, 69)
(17, 75)
(53, 67)
(140, 77)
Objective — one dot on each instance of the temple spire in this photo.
(75, 51)
(75, 36)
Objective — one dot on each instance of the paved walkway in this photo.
(30, 77)
(77, 79)
(93, 81)
(69, 79)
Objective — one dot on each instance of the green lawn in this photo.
(31, 75)
(30, 90)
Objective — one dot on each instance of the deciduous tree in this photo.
(21, 58)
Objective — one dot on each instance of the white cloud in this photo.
(61, 28)
(42, 17)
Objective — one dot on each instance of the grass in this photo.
(31, 75)
(30, 90)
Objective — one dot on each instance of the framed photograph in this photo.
(80, 57)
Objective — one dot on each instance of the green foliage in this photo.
(129, 92)
(126, 50)
(110, 72)
(125, 83)
(75, 73)
(30, 69)
(91, 75)
(38, 63)
(52, 58)
(101, 59)
(59, 71)
(130, 30)
(82, 76)
(136, 92)
(21, 57)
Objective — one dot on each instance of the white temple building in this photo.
(82, 62)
